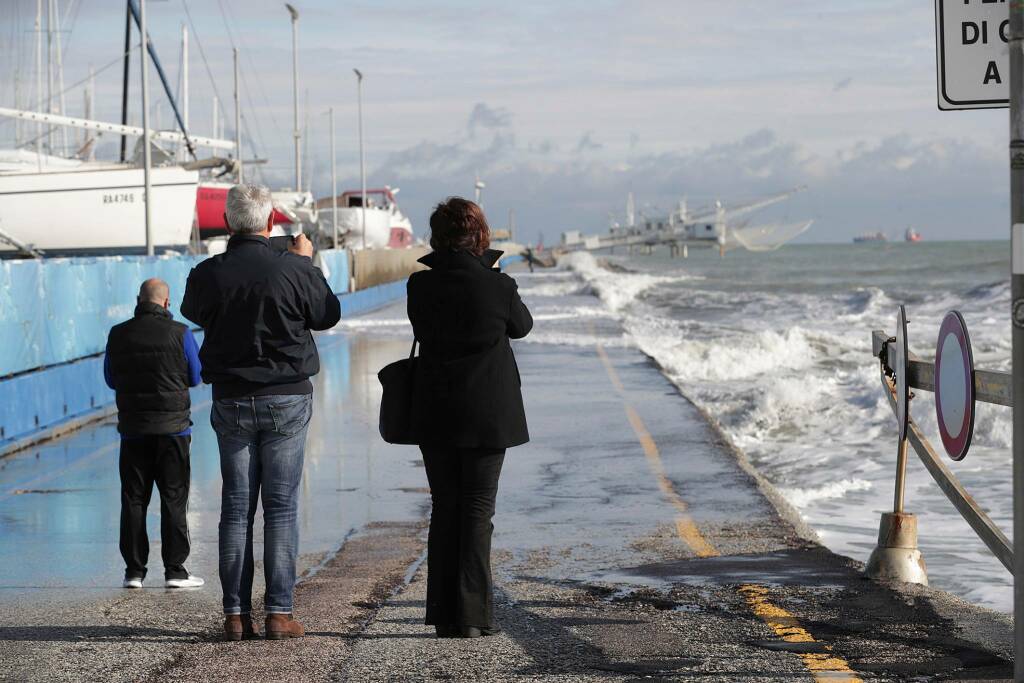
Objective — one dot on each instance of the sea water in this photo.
(776, 347)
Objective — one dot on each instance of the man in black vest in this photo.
(151, 362)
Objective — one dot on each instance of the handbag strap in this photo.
(412, 351)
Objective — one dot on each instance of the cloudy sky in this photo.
(564, 107)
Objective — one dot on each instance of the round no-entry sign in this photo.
(899, 358)
(954, 385)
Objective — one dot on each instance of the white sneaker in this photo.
(131, 582)
(190, 582)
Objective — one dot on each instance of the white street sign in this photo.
(971, 54)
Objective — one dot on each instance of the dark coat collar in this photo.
(240, 238)
(149, 308)
(460, 259)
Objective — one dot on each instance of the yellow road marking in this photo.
(825, 667)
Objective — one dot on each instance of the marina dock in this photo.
(632, 542)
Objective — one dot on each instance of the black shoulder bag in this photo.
(396, 401)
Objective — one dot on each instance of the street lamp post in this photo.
(296, 133)
(334, 182)
(238, 123)
(478, 187)
(362, 156)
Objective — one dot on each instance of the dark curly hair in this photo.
(459, 224)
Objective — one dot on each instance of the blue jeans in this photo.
(262, 442)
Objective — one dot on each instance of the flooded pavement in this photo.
(631, 543)
(60, 501)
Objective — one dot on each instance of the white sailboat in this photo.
(77, 207)
(54, 206)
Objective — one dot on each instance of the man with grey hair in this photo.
(151, 362)
(259, 307)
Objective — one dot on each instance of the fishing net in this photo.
(764, 237)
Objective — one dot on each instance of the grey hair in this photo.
(248, 208)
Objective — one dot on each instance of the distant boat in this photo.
(386, 226)
(871, 237)
(912, 235)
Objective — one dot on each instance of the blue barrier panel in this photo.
(22, 324)
(32, 403)
(41, 400)
(334, 263)
(57, 310)
(370, 298)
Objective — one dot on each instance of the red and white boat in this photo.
(293, 209)
(386, 226)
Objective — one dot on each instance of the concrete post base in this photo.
(896, 558)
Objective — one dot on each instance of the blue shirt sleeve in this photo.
(108, 378)
(195, 368)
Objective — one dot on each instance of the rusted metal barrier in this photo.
(989, 387)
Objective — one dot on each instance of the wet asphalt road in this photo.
(631, 543)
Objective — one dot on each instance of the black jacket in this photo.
(466, 386)
(258, 308)
(147, 365)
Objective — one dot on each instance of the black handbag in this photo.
(396, 402)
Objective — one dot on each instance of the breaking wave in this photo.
(787, 373)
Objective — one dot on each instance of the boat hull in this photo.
(211, 205)
(384, 230)
(97, 211)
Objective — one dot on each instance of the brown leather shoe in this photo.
(240, 627)
(282, 626)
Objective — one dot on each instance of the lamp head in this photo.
(292, 11)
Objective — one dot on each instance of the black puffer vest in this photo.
(149, 369)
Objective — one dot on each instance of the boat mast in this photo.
(124, 78)
(49, 73)
(17, 105)
(39, 82)
(151, 54)
(216, 122)
(60, 77)
(146, 160)
(184, 80)
(87, 141)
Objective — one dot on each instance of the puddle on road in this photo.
(798, 567)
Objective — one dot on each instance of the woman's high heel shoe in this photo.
(477, 632)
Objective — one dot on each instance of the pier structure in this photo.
(719, 227)
(632, 542)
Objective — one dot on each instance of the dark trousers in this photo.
(463, 486)
(163, 460)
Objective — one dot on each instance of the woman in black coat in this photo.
(467, 408)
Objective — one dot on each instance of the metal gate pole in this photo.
(901, 477)
(1016, 45)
